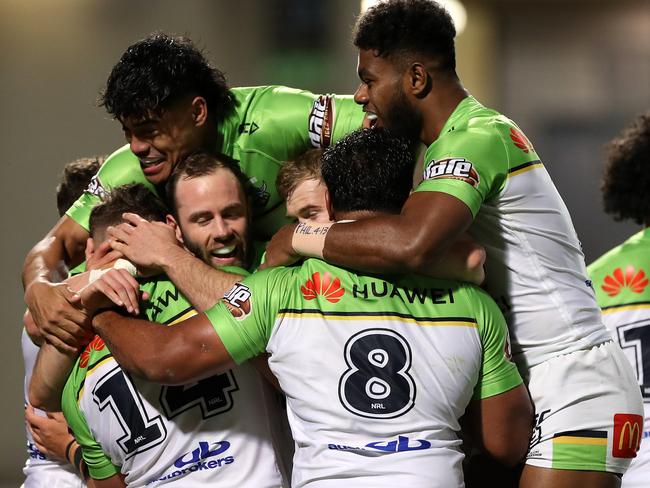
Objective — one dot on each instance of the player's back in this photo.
(219, 430)
(620, 279)
(376, 372)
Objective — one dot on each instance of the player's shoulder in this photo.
(121, 167)
(621, 275)
(478, 131)
(122, 156)
(634, 249)
(464, 297)
(272, 94)
(166, 304)
(94, 354)
(270, 279)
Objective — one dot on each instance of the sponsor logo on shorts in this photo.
(199, 460)
(520, 140)
(536, 438)
(321, 120)
(239, 301)
(95, 188)
(452, 168)
(97, 344)
(402, 444)
(635, 280)
(627, 435)
(324, 285)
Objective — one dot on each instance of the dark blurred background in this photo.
(571, 73)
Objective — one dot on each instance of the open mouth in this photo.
(372, 119)
(224, 252)
(151, 166)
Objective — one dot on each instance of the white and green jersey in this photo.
(39, 470)
(376, 372)
(535, 265)
(270, 125)
(620, 278)
(219, 431)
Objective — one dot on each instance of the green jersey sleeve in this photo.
(99, 464)
(470, 167)
(121, 168)
(244, 319)
(498, 373)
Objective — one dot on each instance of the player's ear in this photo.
(328, 205)
(171, 221)
(199, 111)
(90, 248)
(418, 80)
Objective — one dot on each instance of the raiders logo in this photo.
(96, 188)
(454, 168)
(321, 120)
(238, 300)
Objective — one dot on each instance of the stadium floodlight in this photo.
(455, 8)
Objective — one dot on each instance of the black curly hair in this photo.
(401, 28)
(626, 179)
(369, 169)
(159, 70)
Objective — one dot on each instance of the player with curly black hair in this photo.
(171, 102)
(626, 182)
(620, 276)
(352, 186)
(482, 171)
(155, 72)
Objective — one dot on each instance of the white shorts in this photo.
(588, 411)
(52, 477)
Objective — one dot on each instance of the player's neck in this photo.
(438, 107)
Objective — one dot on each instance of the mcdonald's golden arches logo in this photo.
(627, 435)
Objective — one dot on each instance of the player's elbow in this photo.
(510, 450)
(43, 400)
(418, 253)
(511, 445)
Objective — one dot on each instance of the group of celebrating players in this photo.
(355, 348)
